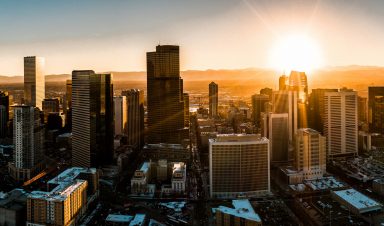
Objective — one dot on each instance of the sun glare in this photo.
(295, 52)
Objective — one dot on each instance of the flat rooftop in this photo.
(60, 193)
(118, 218)
(242, 208)
(138, 220)
(145, 166)
(358, 200)
(238, 138)
(70, 174)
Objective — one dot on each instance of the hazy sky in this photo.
(108, 35)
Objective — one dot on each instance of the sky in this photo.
(114, 35)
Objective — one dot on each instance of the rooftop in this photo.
(60, 193)
(138, 220)
(70, 174)
(243, 209)
(145, 167)
(118, 218)
(358, 200)
(238, 138)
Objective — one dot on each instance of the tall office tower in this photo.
(4, 113)
(258, 106)
(134, 128)
(286, 102)
(362, 105)
(340, 122)
(283, 80)
(238, 165)
(316, 109)
(34, 81)
(278, 135)
(28, 135)
(68, 95)
(375, 112)
(213, 99)
(164, 95)
(92, 119)
(120, 105)
(267, 91)
(186, 110)
(298, 82)
(49, 106)
(310, 153)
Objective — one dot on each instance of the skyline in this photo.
(106, 36)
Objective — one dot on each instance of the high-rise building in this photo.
(68, 95)
(283, 80)
(134, 128)
(340, 122)
(165, 96)
(186, 110)
(4, 113)
(120, 105)
(375, 109)
(286, 102)
(49, 106)
(213, 99)
(267, 91)
(92, 119)
(310, 153)
(34, 81)
(316, 108)
(298, 82)
(238, 165)
(278, 135)
(258, 106)
(362, 109)
(28, 134)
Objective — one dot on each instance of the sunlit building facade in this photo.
(34, 81)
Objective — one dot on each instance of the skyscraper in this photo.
(278, 135)
(68, 95)
(238, 165)
(4, 113)
(258, 106)
(213, 99)
(286, 102)
(120, 105)
(298, 82)
(92, 119)
(375, 109)
(34, 81)
(49, 106)
(165, 96)
(28, 140)
(310, 153)
(134, 127)
(186, 110)
(340, 122)
(317, 109)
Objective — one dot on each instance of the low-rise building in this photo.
(241, 214)
(140, 179)
(13, 207)
(179, 177)
(355, 201)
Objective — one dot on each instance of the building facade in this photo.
(213, 99)
(375, 109)
(34, 81)
(340, 122)
(238, 165)
(258, 106)
(278, 133)
(134, 127)
(120, 105)
(92, 119)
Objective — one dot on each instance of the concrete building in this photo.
(62, 206)
(13, 207)
(92, 119)
(238, 165)
(49, 106)
(286, 102)
(165, 100)
(179, 177)
(355, 201)
(134, 128)
(120, 105)
(34, 81)
(241, 214)
(140, 179)
(340, 122)
(310, 153)
(213, 99)
(28, 140)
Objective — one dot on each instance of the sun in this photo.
(295, 52)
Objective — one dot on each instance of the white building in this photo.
(341, 122)
(310, 153)
(140, 179)
(238, 165)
